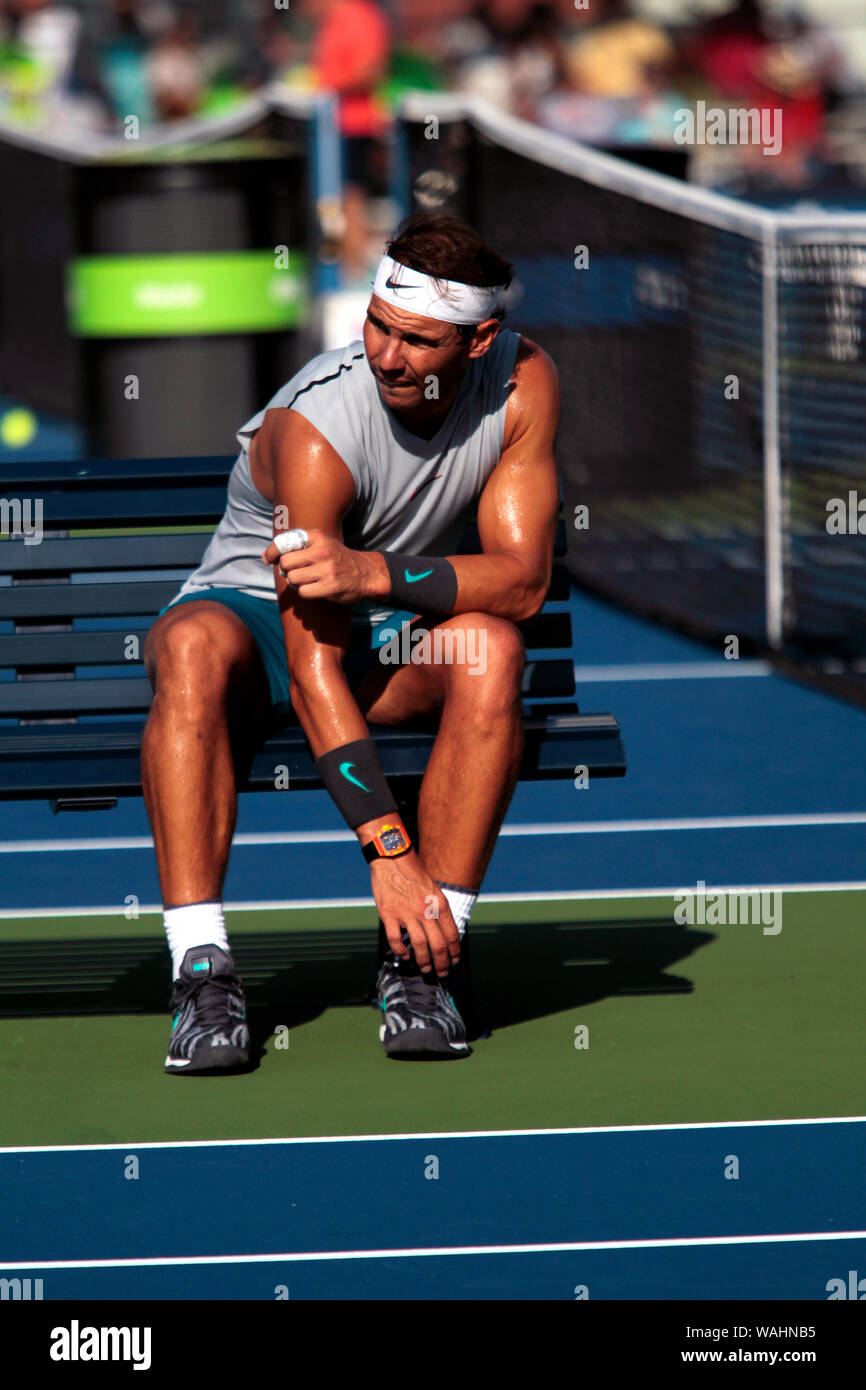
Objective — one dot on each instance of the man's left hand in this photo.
(328, 569)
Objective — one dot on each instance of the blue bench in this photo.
(75, 611)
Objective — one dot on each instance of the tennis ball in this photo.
(17, 427)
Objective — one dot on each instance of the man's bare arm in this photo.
(518, 509)
(516, 520)
(315, 487)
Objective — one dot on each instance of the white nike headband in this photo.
(448, 300)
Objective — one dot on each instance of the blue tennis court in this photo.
(617, 1214)
(549, 1181)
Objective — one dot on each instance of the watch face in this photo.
(392, 840)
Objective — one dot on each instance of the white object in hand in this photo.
(291, 540)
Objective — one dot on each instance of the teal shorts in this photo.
(262, 617)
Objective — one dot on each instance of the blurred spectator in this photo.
(603, 73)
(723, 50)
(176, 73)
(793, 76)
(509, 52)
(618, 55)
(768, 62)
(124, 63)
(279, 51)
(621, 86)
(529, 38)
(38, 47)
(351, 51)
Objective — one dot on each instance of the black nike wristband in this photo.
(353, 775)
(422, 583)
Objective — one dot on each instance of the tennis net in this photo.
(711, 361)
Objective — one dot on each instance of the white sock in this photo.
(461, 901)
(198, 924)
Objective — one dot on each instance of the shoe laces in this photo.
(212, 996)
(414, 989)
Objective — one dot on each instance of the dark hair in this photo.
(440, 245)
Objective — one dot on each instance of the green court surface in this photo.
(685, 1024)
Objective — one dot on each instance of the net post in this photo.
(773, 512)
(327, 183)
(398, 167)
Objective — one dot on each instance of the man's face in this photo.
(405, 350)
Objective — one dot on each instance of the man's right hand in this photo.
(407, 896)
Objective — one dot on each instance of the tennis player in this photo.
(342, 518)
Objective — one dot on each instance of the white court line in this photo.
(426, 1135)
(672, 671)
(547, 1248)
(287, 837)
(605, 827)
(326, 904)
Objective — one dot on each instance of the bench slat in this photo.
(99, 761)
(78, 553)
(174, 504)
(127, 695)
(547, 630)
(559, 584)
(66, 555)
(54, 602)
(84, 475)
(20, 650)
(104, 489)
(104, 761)
(67, 697)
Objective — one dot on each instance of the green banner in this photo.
(168, 295)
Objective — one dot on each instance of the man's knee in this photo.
(488, 660)
(191, 651)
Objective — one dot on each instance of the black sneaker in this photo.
(420, 1017)
(209, 1030)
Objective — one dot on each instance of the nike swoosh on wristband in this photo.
(411, 578)
(348, 776)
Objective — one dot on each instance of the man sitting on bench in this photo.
(372, 458)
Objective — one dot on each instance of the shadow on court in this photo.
(526, 972)
(519, 972)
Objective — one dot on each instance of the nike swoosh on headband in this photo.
(391, 284)
(348, 776)
(410, 578)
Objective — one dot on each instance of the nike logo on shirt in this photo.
(423, 485)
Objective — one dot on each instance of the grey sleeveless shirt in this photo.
(412, 495)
